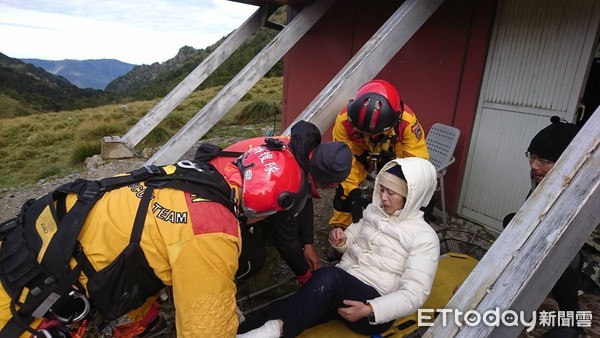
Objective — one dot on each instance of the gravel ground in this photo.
(11, 198)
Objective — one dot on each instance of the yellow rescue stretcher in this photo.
(460, 251)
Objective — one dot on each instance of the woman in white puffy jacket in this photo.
(389, 262)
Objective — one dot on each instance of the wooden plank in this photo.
(216, 108)
(367, 63)
(145, 125)
(529, 256)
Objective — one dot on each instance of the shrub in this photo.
(49, 137)
(257, 112)
(83, 150)
(52, 170)
(157, 137)
(98, 131)
(174, 121)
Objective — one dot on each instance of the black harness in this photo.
(51, 283)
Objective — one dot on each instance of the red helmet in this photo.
(272, 181)
(376, 108)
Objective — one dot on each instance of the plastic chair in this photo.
(441, 142)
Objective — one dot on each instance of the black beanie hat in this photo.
(397, 170)
(394, 180)
(330, 163)
(551, 141)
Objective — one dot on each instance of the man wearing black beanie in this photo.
(547, 146)
(544, 150)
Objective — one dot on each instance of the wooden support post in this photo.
(524, 263)
(216, 108)
(145, 125)
(367, 63)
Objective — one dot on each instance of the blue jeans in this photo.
(318, 300)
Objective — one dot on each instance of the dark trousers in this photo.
(318, 300)
(566, 289)
(253, 255)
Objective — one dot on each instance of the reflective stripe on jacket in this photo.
(191, 244)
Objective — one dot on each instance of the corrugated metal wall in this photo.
(536, 54)
(537, 62)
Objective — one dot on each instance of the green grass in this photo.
(10, 107)
(45, 145)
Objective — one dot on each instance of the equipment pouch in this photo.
(125, 284)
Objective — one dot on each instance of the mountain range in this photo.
(27, 89)
(94, 74)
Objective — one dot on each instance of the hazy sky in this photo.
(133, 31)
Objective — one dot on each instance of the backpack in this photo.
(39, 243)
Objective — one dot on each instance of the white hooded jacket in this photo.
(396, 254)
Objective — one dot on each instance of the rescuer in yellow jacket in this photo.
(378, 127)
(191, 244)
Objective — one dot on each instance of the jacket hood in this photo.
(421, 178)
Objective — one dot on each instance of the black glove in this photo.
(340, 200)
(364, 159)
(507, 219)
(385, 157)
(356, 204)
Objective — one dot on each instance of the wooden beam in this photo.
(524, 263)
(216, 108)
(145, 125)
(367, 63)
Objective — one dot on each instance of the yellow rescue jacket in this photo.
(407, 140)
(191, 244)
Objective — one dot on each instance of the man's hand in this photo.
(337, 237)
(311, 256)
(354, 310)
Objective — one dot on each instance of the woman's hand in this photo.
(337, 237)
(354, 310)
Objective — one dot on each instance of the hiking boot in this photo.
(332, 256)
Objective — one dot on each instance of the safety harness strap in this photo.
(15, 325)
(140, 216)
(214, 195)
(52, 278)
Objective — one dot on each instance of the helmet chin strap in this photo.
(239, 213)
(242, 219)
(379, 139)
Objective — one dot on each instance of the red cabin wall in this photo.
(438, 72)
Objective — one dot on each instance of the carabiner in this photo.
(189, 165)
(76, 317)
(45, 333)
(86, 302)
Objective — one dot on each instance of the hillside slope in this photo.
(39, 90)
